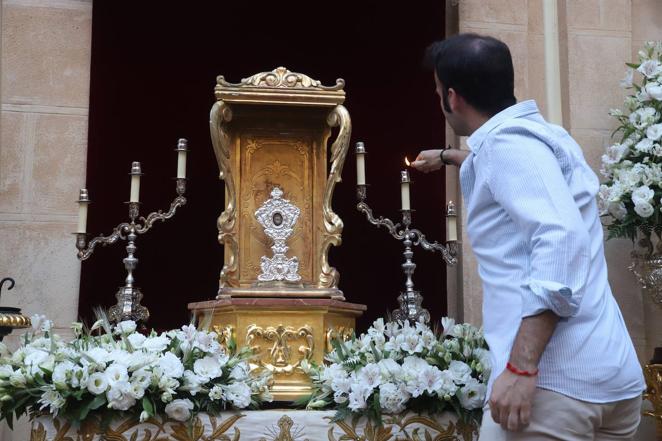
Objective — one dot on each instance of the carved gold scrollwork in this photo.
(225, 334)
(220, 115)
(281, 77)
(278, 358)
(341, 332)
(333, 225)
(653, 374)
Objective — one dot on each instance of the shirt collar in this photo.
(475, 141)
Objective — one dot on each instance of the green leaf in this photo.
(632, 65)
(147, 406)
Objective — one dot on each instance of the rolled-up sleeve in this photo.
(526, 179)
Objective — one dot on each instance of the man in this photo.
(564, 367)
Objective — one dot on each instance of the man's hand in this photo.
(427, 161)
(511, 399)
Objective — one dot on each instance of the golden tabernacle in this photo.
(278, 293)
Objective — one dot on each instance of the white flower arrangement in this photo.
(176, 373)
(397, 366)
(631, 196)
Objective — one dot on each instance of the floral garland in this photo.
(630, 198)
(179, 373)
(397, 366)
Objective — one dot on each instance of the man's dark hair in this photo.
(477, 67)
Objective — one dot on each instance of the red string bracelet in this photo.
(516, 371)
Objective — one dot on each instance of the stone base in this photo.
(261, 425)
(283, 332)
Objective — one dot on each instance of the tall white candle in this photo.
(181, 158)
(135, 182)
(360, 163)
(552, 64)
(451, 222)
(404, 189)
(83, 201)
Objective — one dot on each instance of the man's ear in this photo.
(454, 100)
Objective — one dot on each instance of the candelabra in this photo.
(128, 305)
(10, 318)
(410, 300)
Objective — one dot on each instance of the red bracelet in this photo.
(516, 371)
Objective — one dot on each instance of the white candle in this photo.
(135, 182)
(552, 64)
(83, 201)
(404, 189)
(360, 163)
(451, 222)
(181, 158)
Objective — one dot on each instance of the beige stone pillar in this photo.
(44, 91)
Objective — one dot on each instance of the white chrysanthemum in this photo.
(53, 400)
(650, 68)
(644, 209)
(460, 371)
(179, 410)
(216, 393)
(472, 394)
(239, 394)
(97, 383)
(208, 367)
(171, 365)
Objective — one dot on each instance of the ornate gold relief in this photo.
(281, 77)
(284, 431)
(279, 357)
(225, 334)
(653, 375)
(220, 115)
(341, 332)
(333, 225)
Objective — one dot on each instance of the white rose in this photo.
(97, 383)
(460, 372)
(125, 327)
(654, 132)
(642, 194)
(171, 365)
(472, 394)
(654, 90)
(156, 344)
(208, 367)
(644, 209)
(179, 410)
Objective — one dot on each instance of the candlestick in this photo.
(83, 202)
(360, 163)
(451, 222)
(135, 182)
(404, 189)
(182, 148)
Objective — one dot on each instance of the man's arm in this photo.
(512, 394)
(430, 160)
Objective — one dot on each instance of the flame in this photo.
(407, 163)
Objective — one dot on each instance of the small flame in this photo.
(407, 162)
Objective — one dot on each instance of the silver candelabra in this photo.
(410, 299)
(128, 305)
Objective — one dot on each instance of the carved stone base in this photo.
(283, 331)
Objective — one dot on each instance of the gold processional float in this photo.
(278, 293)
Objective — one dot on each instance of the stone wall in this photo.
(44, 90)
(596, 38)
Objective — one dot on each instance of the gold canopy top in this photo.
(280, 87)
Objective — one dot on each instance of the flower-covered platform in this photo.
(262, 425)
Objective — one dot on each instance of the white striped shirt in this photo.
(533, 223)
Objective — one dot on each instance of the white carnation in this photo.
(392, 398)
(179, 410)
